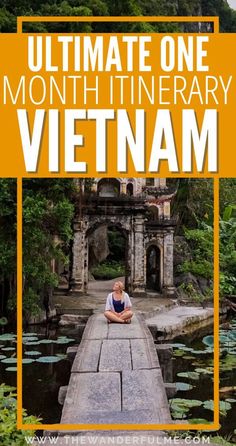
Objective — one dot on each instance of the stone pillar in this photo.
(129, 264)
(168, 278)
(77, 279)
(123, 188)
(166, 210)
(139, 277)
(162, 183)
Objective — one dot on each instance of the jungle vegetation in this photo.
(10, 9)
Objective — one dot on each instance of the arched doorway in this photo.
(108, 247)
(153, 269)
(108, 187)
(130, 189)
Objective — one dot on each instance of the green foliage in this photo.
(193, 202)
(9, 434)
(8, 227)
(11, 9)
(201, 241)
(228, 256)
(116, 245)
(108, 270)
(7, 242)
(47, 230)
(228, 237)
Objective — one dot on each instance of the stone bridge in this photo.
(116, 377)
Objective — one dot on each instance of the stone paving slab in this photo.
(126, 331)
(145, 416)
(178, 318)
(142, 389)
(143, 354)
(87, 356)
(97, 392)
(115, 355)
(96, 328)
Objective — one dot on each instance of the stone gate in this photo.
(140, 209)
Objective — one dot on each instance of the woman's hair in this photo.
(121, 288)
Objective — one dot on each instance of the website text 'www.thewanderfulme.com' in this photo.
(115, 440)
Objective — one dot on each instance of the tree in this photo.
(228, 237)
(48, 212)
(7, 243)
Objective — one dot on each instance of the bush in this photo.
(9, 434)
(108, 270)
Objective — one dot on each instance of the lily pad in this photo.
(11, 369)
(7, 337)
(32, 343)
(224, 339)
(64, 340)
(46, 341)
(224, 406)
(178, 415)
(207, 371)
(33, 353)
(232, 335)
(29, 334)
(2, 357)
(30, 339)
(183, 386)
(230, 400)
(27, 360)
(178, 353)
(8, 349)
(177, 345)
(190, 375)
(208, 340)
(48, 359)
(198, 421)
(231, 352)
(9, 361)
(202, 352)
(185, 403)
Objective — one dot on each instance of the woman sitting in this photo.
(118, 305)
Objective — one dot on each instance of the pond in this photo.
(45, 367)
(192, 369)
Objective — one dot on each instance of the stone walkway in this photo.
(94, 301)
(116, 377)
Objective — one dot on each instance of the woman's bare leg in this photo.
(112, 317)
(126, 316)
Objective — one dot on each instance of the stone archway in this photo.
(153, 268)
(130, 189)
(142, 213)
(108, 187)
(129, 223)
(98, 238)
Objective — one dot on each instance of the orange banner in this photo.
(132, 104)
